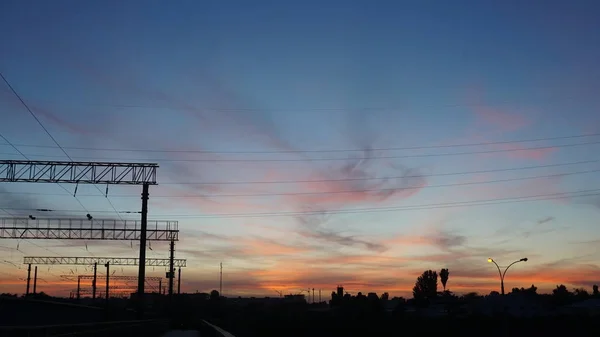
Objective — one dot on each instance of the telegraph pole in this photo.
(142, 266)
(28, 278)
(179, 282)
(221, 280)
(35, 281)
(171, 274)
(78, 287)
(94, 280)
(107, 265)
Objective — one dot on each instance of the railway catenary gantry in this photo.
(92, 173)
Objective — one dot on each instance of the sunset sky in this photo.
(306, 144)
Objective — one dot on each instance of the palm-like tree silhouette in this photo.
(444, 274)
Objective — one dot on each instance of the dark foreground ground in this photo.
(254, 322)
(474, 326)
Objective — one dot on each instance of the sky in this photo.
(309, 144)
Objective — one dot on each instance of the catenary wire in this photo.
(314, 151)
(48, 133)
(214, 160)
(480, 202)
(335, 192)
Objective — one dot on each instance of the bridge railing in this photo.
(149, 328)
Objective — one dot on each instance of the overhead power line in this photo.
(339, 191)
(48, 133)
(333, 159)
(530, 140)
(480, 202)
(519, 168)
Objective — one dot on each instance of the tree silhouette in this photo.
(385, 296)
(595, 290)
(444, 273)
(426, 286)
(214, 295)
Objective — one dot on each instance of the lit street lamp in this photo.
(503, 274)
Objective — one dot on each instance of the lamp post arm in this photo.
(509, 267)
(499, 272)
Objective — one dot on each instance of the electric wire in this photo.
(49, 134)
(480, 202)
(428, 155)
(529, 140)
(403, 188)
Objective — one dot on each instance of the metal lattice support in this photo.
(90, 173)
(83, 229)
(77, 172)
(114, 277)
(88, 261)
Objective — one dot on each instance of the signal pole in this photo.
(28, 278)
(94, 280)
(35, 281)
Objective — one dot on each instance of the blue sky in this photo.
(259, 83)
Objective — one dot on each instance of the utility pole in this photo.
(28, 278)
(160, 287)
(94, 280)
(142, 266)
(313, 295)
(78, 287)
(221, 280)
(107, 265)
(35, 281)
(179, 282)
(171, 274)
(319, 295)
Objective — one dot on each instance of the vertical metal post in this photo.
(313, 300)
(221, 279)
(142, 261)
(171, 267)
(160, 287)
(35, 281)
(28, 278)
(179, 282)
(78, 287)
(94, 280)
(107, 265)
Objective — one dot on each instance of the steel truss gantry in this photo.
(114, 277)
(84, 229)
(92, 173)
(77, 172)
(88, 261)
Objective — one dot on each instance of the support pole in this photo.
(160, 287)
(179, 282)
(221, 279)
(35, 281)
(94, 280)
(107, 265)
(78, 287)
(142, 263)
(171, 267)
(28, 278)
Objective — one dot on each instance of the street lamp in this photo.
(503, 274)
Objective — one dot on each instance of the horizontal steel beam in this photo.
(113, 277)
(77, 172)
(83, 229)
(87, 261)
